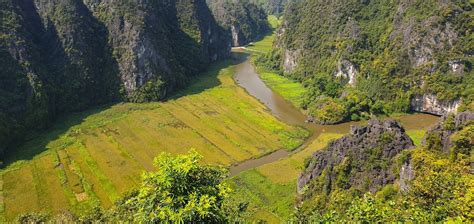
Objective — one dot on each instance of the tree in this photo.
(181, 191)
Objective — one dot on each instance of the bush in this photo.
(181, 191)
(327, 110)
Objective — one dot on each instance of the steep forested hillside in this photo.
(359, 58)
(62, 56)
(245, 20)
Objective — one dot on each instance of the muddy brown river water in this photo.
(247, 77)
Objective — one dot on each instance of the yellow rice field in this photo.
(94, 157)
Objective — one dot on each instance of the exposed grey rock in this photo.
(407, 174)
(457, 66)
(429, 103)
(347, 71)
(363, 151)
(440, 131)
(236, 36)
(290, 60)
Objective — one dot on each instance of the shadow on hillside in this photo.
(37, 143)
(209, 79)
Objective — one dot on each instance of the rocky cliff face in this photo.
(245, 20)
(65, 55)
(429, 103)
(290, 60)
(347, 71)
(361, 160)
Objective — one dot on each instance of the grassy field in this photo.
(94, 157)
(266, 44)
(291, 90)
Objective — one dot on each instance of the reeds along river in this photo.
(247, 77)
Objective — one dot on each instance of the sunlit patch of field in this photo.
(416, 136)
(266, 44)
(262, 46)
(291, 90)
(271, 188)
(94, 157)
(274, 21)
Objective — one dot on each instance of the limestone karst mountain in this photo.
(63, 56)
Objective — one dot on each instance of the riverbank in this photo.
(291, 90)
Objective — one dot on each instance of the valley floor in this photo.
(94, 157)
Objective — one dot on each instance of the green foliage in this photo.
(384, 40)
(442, 188)
(328, 110)
(150, 91)
(433, 141)
(449, 123)
(180, 191)
(272, 7)
(463, 143)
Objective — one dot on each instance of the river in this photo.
(246, 76)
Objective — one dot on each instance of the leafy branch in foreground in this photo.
(180, 191)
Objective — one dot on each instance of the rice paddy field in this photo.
(94, 157)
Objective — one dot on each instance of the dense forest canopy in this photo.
(273, 7)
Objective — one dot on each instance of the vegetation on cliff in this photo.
(273, 7)
(244, 20)
(374, 57)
